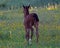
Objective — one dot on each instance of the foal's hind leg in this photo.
(32, 32)
(37, 34)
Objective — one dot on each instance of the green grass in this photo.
(12, 21)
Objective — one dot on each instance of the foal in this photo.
(30, 20)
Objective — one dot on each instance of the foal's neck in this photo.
(26, 13)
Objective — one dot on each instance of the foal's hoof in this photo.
(30, 43)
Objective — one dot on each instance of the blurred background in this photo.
(6, 4)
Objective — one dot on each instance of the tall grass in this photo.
(12, 33)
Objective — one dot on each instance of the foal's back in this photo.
(32, 18)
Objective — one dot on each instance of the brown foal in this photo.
(30, 20)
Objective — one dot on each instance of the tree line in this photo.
(37, 3)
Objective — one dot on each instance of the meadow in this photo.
(12, 33)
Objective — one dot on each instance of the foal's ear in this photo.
(23, 6)
(28, 6)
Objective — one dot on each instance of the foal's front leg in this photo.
(28, 36)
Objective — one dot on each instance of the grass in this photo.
(12, 34)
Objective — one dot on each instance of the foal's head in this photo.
(26, 10)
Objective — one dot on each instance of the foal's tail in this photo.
(36, 17)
